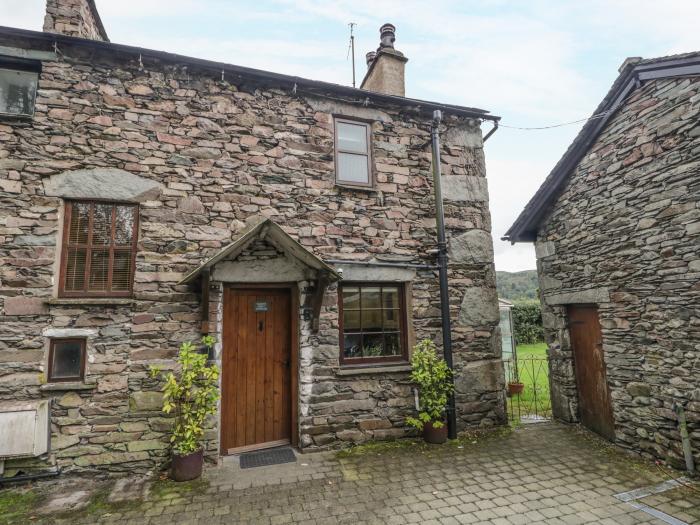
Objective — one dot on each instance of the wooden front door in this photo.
(595, 409)
(256, 383)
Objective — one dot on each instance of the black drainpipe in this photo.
(442, 267)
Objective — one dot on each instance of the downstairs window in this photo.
(372, 323)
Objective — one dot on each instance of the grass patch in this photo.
(166, 488)
(16, 505)
(537, 350)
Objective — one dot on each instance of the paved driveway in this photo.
(546, 472)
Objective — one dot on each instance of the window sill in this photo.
(88, 301)
(353, 187)
(68, 385)
(376, 369)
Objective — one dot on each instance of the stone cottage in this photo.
(616, 227)
(149, 198)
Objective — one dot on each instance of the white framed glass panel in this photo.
(17, 92)
(352, 137)
(353, 168)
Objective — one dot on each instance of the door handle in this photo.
(260, 326)
(286, 363)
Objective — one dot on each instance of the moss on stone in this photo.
(16, 505)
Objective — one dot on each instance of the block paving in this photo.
(538, 473)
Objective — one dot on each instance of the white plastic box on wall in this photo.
(24, 429)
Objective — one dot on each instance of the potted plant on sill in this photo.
(434, 380)
(192, 393)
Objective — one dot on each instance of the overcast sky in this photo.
(532, 62)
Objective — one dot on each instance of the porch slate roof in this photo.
(267, 229)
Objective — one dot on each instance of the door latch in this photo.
(260, 326)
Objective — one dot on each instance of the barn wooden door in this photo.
(595, 409)
(256, 363)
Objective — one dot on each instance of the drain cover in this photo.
(273, 456)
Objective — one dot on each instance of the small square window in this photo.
(352, 153)
(18, 84)
(66, 360)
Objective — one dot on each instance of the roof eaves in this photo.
(524, 229)
(364, 96)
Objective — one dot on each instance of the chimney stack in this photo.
(386, 66)
(78, 18)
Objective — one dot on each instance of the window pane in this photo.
(352, 345)
(102, 225)
(392, 344)
(372, 345)
(124, 227)
(391, 320)
(370, 297)
(351, 320)
(351, 298)
(66, 359)
(353, 168)
(371, 320)
(352, 137)
(121, 273)
(390, 297)
(79, 223)
(99, 270)
(75, 269)
(17, 91)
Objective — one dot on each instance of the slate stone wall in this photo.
(221, 152)
(625, 235)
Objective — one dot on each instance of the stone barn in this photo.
(616, 227)
(148, 198)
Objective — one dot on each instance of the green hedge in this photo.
(527, 323)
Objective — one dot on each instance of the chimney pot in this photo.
(370, 57)
(387, 35)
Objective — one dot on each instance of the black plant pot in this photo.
(433, 435)
(187, 467)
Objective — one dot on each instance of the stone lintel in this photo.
(356, 272)
(22, 305)
(108, 184)
(590, 296)
(69, 332)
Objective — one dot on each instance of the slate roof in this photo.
(524, 229)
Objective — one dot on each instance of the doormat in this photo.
(263, 458)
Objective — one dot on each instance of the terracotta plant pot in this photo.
(187, 467)
(515, 388)
(437, 436)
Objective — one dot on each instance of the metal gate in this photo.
(528, 389)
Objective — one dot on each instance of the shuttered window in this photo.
(352, 153)
(99, 246)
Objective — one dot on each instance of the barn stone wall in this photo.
(625, 235)
(219, 152)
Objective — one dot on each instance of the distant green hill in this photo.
(517, 286)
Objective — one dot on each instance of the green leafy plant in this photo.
(434, 379)
(192, 393)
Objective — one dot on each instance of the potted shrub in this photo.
(192, 393)
(434, 380)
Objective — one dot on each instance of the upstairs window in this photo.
(373, 323)
(352, 153)
(99, 247)
(18, 83)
